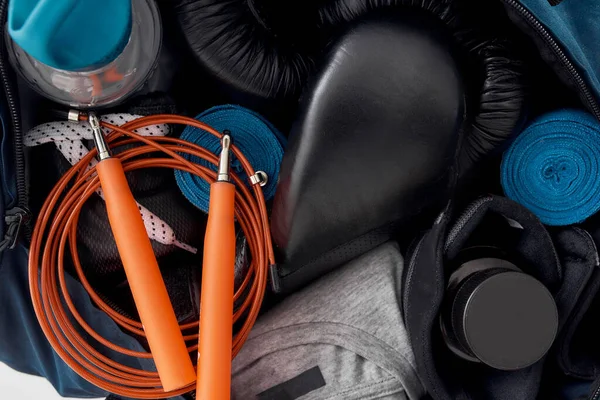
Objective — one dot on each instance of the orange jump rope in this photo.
(54, 238)
(149, 292)
(216, 296)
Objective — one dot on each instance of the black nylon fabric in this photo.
(574, 351)
(565, 262)
(531, 243)
(579, 355)
(423, 294)
(154, 189)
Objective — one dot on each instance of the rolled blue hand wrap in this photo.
(260, 142)
(553, 167)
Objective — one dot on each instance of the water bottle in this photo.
(84, 53)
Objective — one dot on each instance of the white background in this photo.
(17, 386)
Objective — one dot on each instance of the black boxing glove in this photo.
(260, 51)
(497, 86)
(499, 105)
(263, 51)
(373, 147)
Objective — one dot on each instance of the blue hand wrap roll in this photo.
(261, 143)
(553, 167)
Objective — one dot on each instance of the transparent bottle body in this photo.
(100, 85)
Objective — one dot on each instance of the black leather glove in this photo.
(264, 58)
(261, 51)
(373, 146)
(498, 106)
(328, 210)
(493, 73)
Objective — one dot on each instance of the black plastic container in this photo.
(495, 314)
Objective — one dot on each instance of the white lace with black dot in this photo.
(68, 138)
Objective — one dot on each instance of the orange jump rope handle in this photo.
(167, 346)
(216, 299)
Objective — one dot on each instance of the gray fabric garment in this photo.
(348, 324)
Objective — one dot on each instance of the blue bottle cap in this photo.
(70, 34)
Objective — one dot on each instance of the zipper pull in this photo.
(15, 219)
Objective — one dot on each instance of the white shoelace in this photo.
(68, 138)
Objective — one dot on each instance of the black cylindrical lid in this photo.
(506, 319)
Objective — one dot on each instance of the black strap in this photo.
(296, 387)
(14, 220)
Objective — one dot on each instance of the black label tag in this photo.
(302, 384)
(554, 2)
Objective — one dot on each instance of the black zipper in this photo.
(596, 393)
(17, 218)
(557, 49)
(463, 219)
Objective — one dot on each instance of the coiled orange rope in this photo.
(55, 237)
